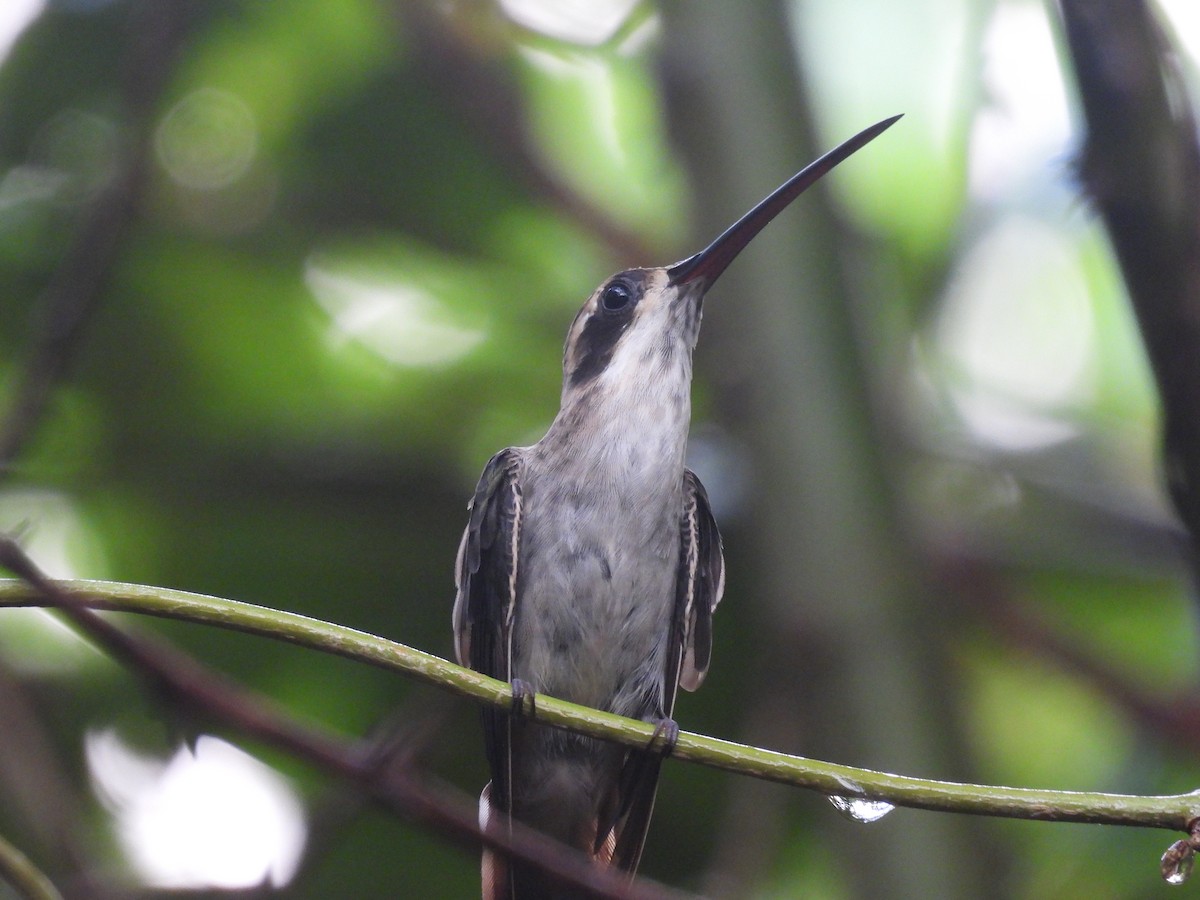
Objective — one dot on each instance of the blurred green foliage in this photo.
(364, 230)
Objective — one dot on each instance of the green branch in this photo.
(1173, 812)
(26, 879)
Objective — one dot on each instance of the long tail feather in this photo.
(493, 867)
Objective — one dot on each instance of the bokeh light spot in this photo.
(79, 150)
(15, 17)
(1020, 339)
(212, 818)
(587, 22)
(401, 322)
(207, 140)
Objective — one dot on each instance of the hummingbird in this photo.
(591, 564)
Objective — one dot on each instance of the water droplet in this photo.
(1177, 862)
(860, 809)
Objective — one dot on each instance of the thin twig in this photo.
(23, 876)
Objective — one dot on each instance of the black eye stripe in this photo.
(604, 326)
(597, 342)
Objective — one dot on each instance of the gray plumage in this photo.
(587, 562)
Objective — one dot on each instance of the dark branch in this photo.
(61, 314)
(1141, 167)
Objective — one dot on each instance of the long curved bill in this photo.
(709, 263)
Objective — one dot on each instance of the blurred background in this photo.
(289, 273)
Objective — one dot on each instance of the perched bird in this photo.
(591, 565)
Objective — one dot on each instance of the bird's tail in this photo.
(503, 878)
(494, 867)
(574, 824)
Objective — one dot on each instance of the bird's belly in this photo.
(593, 617)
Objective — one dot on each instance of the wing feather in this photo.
(486, 575)
(701, 581)
(698, 589)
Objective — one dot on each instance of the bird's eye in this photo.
(616, 296)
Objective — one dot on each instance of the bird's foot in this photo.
(665, 737)
(523, 705)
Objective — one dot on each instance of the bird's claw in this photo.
(523, 704)
(665, 737)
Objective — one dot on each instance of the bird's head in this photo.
(643, 323)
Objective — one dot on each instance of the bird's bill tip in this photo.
(707, 265)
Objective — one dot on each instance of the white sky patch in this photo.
(1024, 124)
(217, 818)
(1019, 337)
(403, 323)
(1184, 16)
(588, 22)
(15, 17)
(59, 541)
